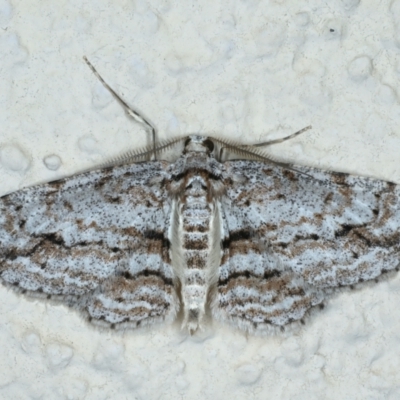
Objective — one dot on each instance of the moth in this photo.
(252, 242)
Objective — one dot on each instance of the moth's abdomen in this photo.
(195, 227)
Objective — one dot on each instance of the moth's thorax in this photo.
(198, 144)
(193, 164)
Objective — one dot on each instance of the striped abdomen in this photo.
(196, 235)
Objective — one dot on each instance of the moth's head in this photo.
(199, 144)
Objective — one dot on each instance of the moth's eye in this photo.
(209, 144)
(187, 141)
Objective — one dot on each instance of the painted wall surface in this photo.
(245, 70)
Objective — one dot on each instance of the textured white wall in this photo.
(248, 70)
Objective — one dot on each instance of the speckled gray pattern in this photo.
(262, 244)
(292, 238)
(250, 71)
(95, 242)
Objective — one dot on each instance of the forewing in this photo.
(96, 241)
(310, 232)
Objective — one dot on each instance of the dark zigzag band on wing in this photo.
(258, 307)
(334, 231)
(254, 291)
(92, 241)
(354, 218)
(132, 302)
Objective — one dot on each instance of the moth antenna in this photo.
(276, 141)
(131, 112)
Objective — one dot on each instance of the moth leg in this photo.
(132, 113)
